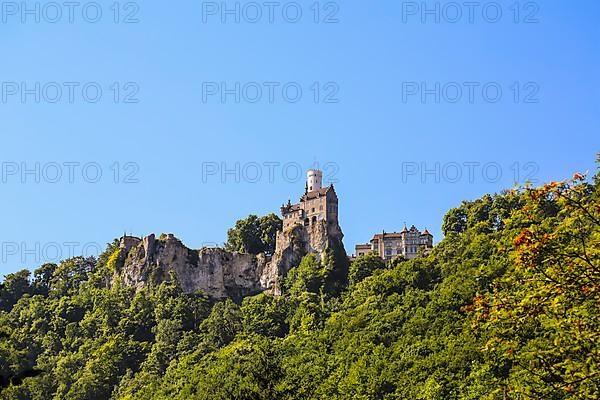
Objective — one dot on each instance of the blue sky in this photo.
(368, 125)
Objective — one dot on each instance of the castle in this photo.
(317, 204)
(310, 226)
(321, 204)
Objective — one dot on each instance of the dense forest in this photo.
(506, 306)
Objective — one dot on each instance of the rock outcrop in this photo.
(217, 272)
(296, 242)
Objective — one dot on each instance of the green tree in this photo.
(42, 278)
(254, 235)
(265, 315)
(543, 317)
(455, 221)
(269, 226)
(223, 324)
(70, 274)
(13, 288)
(364, 266)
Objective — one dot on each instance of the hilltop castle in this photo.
(317, 204)
(321, 204)
(309, 227)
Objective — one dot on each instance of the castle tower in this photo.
(314, 180)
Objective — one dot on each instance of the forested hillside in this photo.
(506, 306)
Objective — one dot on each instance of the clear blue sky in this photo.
(371, 134)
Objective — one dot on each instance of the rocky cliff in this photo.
(216, 272)
(296, 242)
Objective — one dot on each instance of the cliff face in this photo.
(216, 272)
(298, 241)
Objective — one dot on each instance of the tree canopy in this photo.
(254, 234)
(506, 306)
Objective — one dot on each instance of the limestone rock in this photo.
(296, 242)
(216, 272)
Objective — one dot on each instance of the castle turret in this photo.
(314, 180)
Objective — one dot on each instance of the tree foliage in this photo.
(506, 306)
(554, 289)
(254, 234)
(364, 266)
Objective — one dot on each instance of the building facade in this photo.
(317, 204)
(407, 244)
(321, 204)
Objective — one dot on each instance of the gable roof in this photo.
(317, 193)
